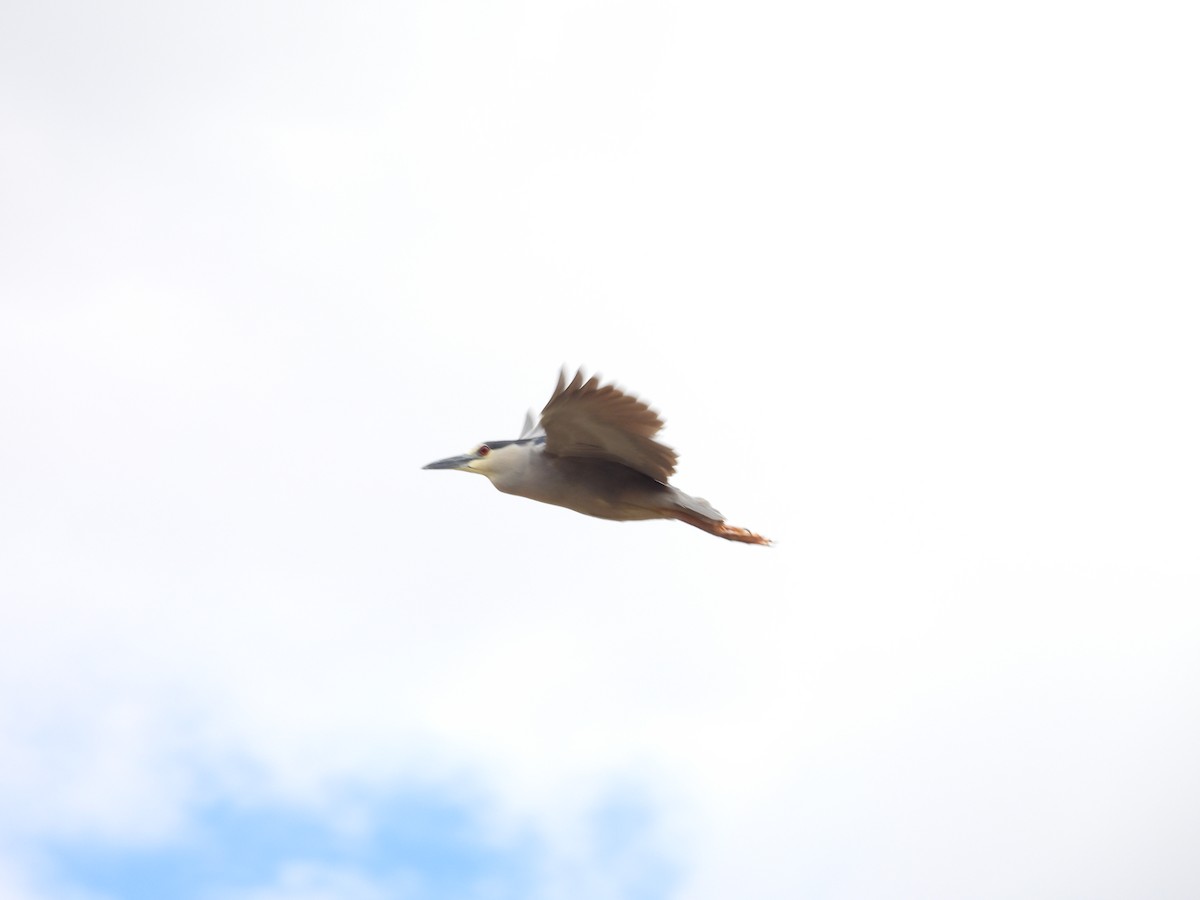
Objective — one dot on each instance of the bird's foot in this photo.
(744, 535)
(720, 529)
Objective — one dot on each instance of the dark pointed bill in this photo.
(453, 462)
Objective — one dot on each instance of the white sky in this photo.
(914, 285)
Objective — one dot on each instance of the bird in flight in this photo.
(593, 451)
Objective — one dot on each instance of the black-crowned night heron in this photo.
(594, 451)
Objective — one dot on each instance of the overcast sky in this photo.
(915, 287)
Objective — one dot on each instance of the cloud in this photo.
(410, 844)
(421, 843)
(307, 882)
(913, 290)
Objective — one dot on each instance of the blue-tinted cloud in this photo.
(417, 844)
(420, 844)
(622, 840)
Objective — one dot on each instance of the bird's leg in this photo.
(720, 529)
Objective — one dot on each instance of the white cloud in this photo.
(306, 882)
(911, 287)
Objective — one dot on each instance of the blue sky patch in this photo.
(430, 844)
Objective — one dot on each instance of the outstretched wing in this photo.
(601, 422)
(532, 428)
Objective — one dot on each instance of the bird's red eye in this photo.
(483, 450)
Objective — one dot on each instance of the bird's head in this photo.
(490, 459)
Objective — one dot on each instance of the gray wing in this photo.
(532, 427)
(586, 419)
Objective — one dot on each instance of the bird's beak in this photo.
(453, 462)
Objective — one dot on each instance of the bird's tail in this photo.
(700, 514)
